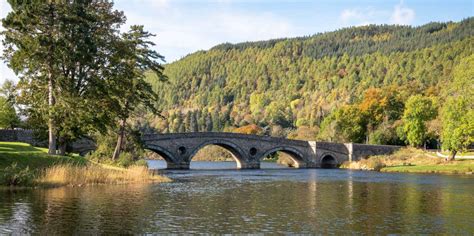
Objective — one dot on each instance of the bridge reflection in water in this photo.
(178, 149)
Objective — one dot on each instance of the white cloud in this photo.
(402, 15)
(180, 32)
(360, 16)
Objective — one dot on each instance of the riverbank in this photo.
(24, 165)
(412, 160)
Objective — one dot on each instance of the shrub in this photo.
(375, 164)
(125, 159)
(141, 162)
(15, 176)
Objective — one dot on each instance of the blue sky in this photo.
(185, 26)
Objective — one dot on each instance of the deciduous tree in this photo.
(457, 114)
(418, 111)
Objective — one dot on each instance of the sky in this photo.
(185, 26)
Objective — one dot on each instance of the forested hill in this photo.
(299, 87)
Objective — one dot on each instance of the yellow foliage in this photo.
(249, 129)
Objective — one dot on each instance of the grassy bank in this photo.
(25, 155)
(411, 160)
(25, 165)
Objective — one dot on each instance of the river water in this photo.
(271, 200)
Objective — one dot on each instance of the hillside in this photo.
(289, 87)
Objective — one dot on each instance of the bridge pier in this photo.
(248, 165)
(186, 165)
(177, 166)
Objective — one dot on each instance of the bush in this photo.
(15, 176)
(375, 164)
(125, 159)
(141, 162)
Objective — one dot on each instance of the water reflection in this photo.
(258, 201)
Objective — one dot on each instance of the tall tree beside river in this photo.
(457, 114)
(127, 86)
(73, 62)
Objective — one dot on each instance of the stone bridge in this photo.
(248, 150)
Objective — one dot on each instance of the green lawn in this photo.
(36, 158)
(455, 167)
(459, 154)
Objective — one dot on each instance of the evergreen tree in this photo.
(59, 51)
(194, 122)
(8, 116)
(127, 87)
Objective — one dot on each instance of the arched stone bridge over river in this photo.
(248, 150)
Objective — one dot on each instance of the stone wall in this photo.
(359, 151)
(10, 135)
(81, 146)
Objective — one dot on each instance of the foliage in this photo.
(8, 117)
(458, 124)
(418, 111)
(457, 114)
(249, 129)
(132, 57)
(303, 133)
(386, 133)
(346, 124)
(125, 159)
(59, 51)
(283, 84)
(13, 175)
(133, 150)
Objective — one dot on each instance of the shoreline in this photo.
(26, 166)
(412, 160)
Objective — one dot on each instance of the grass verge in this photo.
(24, 165)
(412, 160)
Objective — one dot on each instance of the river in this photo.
(215, 198)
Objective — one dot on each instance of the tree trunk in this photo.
(118, 147)
(453, 154)
(51, 125)
(62, 146)
(51, 99)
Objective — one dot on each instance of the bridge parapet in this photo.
(225, 135)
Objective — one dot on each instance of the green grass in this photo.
(459, 154)
(457, 167)
(412, 160)
(35, 158)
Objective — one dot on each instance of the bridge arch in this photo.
(329, 161)
(296, 156)
(237, 153)
(165, 154)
